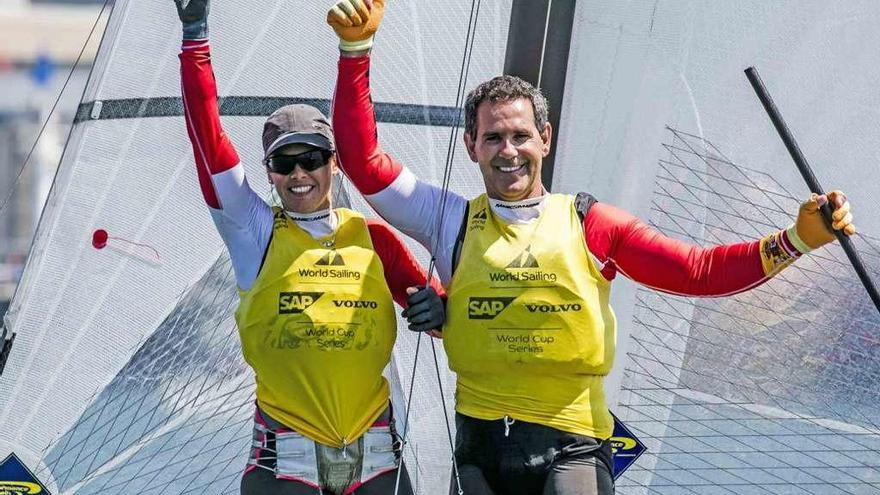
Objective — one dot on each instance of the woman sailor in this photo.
(316, 317)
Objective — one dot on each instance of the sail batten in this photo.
(263, 106)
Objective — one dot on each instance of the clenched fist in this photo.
(355, 22)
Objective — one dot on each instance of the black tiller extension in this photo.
(812, 182)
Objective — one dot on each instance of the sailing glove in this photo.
(425, 311)
(355, 22)
(810, 230)
(194, 17)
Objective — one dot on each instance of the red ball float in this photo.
(99, 239)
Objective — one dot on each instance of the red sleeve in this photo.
(401, 268)
(354, 125)
(213, 151)
(626, 244)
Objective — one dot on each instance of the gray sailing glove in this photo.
(194, 17)
(425, 310)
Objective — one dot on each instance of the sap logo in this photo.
(552, 308)
(487, 308)
(332, 258)
(525, 259)
(296, 302)
(355, 304)
(17, 479)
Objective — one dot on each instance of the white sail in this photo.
(771, 391)
(125, 374)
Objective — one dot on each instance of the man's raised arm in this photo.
(391, 189)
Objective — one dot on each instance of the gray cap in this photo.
(292, 124)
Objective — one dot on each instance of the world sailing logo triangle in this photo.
(525, 259)
(332, 258)
(15, 477)
(280, 220)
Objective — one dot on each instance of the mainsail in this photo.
(126, 375)
(770, 391)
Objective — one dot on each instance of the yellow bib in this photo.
(529, 329)
(317, 327)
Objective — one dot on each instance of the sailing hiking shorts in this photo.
(507, 457)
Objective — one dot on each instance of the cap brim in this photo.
(316, 140)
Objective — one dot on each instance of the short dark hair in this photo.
(504, 88)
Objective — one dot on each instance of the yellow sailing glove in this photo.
(355, 22)
(809, 232)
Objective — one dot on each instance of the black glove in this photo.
(194, 17)
(425, 310)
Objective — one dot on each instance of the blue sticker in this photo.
(625, 447)
(17, 479)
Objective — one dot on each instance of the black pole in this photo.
(527, 50)
(811, 180)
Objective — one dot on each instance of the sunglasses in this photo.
(308, 161)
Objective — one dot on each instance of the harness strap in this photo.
(459, 239)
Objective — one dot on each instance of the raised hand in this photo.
(355, 22)
(193, 15)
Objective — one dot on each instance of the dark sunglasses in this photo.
(308, 161)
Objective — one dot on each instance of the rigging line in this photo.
(544, 44)
(446, 416)
(450, 155)
(412, 382)
(27, 158)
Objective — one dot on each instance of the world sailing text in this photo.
(523, 276)
(329, 273)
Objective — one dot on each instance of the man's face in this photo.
(302, 191)
(509, 149)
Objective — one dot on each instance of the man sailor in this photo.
(529, 329)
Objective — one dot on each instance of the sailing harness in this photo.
(291, 456)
